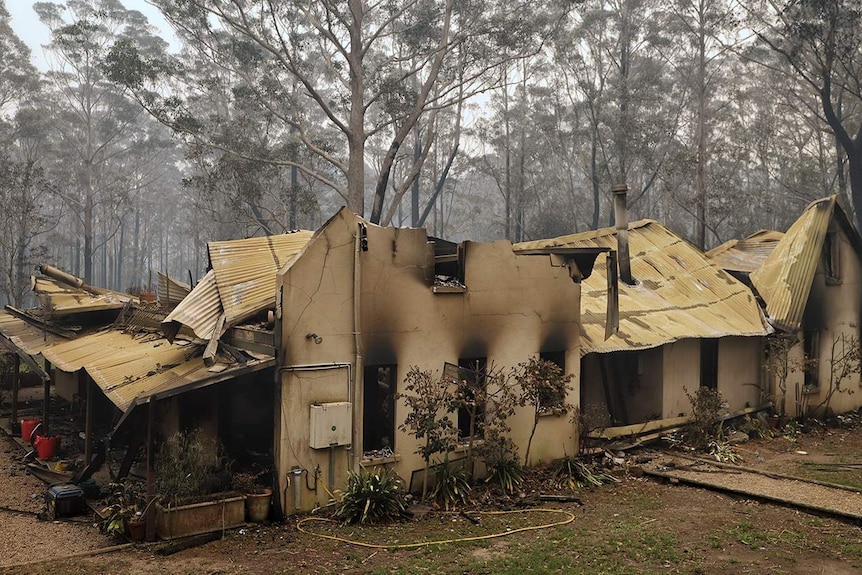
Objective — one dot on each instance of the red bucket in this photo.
(27, 427)
(47, 447)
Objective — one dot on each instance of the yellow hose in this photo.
(569, 518)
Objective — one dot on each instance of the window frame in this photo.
(557, 404)
(371, 422)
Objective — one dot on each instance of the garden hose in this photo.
(569, 518)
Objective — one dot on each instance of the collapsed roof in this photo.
(677, 294)
(784, 278)
(240, 284)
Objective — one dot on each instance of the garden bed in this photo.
(220, 512)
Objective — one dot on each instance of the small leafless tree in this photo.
(844, 362)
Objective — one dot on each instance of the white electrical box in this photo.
(331, 424)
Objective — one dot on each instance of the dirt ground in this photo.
(638, 525)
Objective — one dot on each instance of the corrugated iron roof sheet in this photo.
(171, 291)
(245, 271)
(25, 336)
(679, 294)
(200, 309)
(60, 299)
(70, 356)
(745, 255)
(784, 279)
(170, 381)
(131, 368)
(240, 284)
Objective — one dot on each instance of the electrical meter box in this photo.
(331, 424)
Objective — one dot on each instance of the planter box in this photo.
(223, 511)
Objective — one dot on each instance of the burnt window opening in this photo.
(832, 258)
(811, 352)
(470, 377)
(378, 410)
(449, 267)
(709, 363)
(553, 399)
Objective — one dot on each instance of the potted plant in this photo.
(192, 476)
(124, 514)
(257, 495)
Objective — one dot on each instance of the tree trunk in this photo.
(594, 176)
(118, 272)
(294, 191)
(700, 193)
(88, 240)
(854, 162)
(623, 129)
(508, 150)
(356, 123)
(414, 199)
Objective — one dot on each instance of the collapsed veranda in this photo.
(288, 337)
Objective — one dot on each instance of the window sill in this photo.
(464, 444)
(810, 390)
(375, 461)
(553, 412)
(448, 289)
(830, 281)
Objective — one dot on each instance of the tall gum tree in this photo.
(364, 69)
(97, 127)
(820, 43)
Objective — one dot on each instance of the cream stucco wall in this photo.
(66, 385)
(655, 389)
(515, 307)
(740, 372)
(681, 374)
(833, 309)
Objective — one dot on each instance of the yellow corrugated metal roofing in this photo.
(25, 336)
(62, 299)
(784, 280)
(679, 294)
(131, 368)
(171, 291)
(192, 373)
(246, 270)
(139, 361)
(240, 284)
(199, 310)
(745, 255)
(70, 356)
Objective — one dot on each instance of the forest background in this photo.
(123, 154)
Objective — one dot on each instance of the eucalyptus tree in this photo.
(583, 76)
(617, 79)
(97, 128)
(24, 189)
(819, 42)
(701, 34)
(361, 71)
(18, 77)
(28, 209)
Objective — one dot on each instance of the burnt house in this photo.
(683, 323)
(362, 304)
(808, 283)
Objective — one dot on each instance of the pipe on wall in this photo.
(360, 245)
(622, 221)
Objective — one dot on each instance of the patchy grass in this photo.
(846, 477)
(747, 533)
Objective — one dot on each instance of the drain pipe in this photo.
(297, 489)
(360, 245)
